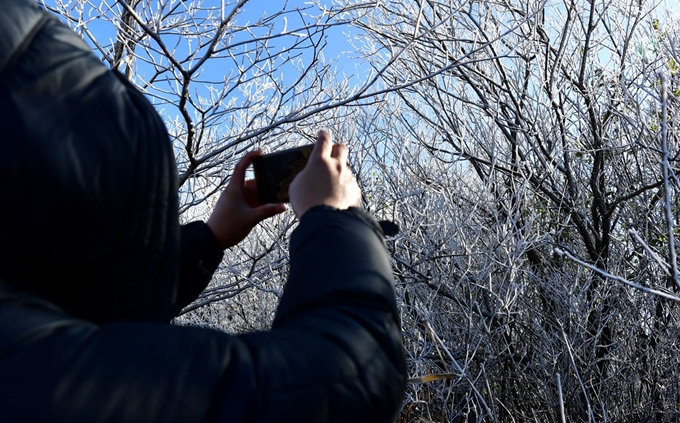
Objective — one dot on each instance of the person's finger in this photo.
(340, 152)
(250, 193)
(323, 146)
(239, 175)
(268, 210)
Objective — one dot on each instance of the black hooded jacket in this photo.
(93, 264)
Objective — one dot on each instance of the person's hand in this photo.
(238, 210)
(326, 179)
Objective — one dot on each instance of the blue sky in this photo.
(336, 49)
(224, 67)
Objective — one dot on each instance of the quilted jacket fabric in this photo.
(93, 265)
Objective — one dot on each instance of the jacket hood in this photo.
(87, 178)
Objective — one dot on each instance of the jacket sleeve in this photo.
(334, 353)
(200, 254)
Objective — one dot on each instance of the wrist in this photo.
(215, 230)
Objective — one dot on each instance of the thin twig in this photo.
(657, 258)
(672, 256)
(560, 398)
(591, 417)
(616, 278)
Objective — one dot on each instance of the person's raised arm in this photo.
(236, 213)
(334, 353)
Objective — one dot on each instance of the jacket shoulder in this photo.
(19, 22)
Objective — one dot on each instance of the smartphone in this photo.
(274, 173)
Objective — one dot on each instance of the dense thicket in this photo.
(528, 151)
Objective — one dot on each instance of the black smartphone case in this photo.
(274, 173)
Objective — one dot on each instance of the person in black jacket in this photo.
(94, 264)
